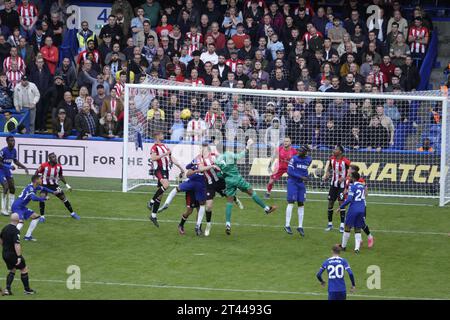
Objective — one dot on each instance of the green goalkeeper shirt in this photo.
(227, 162)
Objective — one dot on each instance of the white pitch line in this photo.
(277, 198)
(247, 224)
(157, 286)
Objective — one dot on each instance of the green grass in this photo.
(123, 256)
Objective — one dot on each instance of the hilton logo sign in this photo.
(72, 158)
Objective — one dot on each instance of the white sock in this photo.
(369, 236)
(357, 241)
(11, 201)
(267, 208)
(201, 214)
(4, 197)
(31, 227)
(228, 224)
(170, 197)
(153, 215)
(19, 226)
(289, 209)
(342, 225)
(301, 213)
(345, 237)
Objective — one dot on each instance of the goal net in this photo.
(396, 139)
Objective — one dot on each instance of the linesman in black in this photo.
(12, 255)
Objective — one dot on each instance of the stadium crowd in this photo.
(256, 44)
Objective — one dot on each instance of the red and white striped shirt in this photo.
(233, 64)
(113, 106)
(119, 88)
(28, 13)
(211, 174)
(196, 39)
(50, 174)
(14, 77)
(9, 60)
(195, 129)
(211, 118)
(192, 48)
(379, 79)
(339, 171)
(164, 162)
(420, 33)
(198, 82)
(83, 56)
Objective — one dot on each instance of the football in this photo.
(185, 114)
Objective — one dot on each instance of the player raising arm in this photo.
(8, 158)
(284, 154)
(337, 165)
(227, 163)
(51, 172)
(296, 191)
(355, 216)
(162, 161)
(336, 267)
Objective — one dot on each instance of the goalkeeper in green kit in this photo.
(227, 162)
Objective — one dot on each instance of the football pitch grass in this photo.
(122, 255)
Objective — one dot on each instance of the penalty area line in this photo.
(275, 198)
(258, 291)
(245, 224)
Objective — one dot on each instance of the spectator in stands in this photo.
(355, 140)
(177, 130)
(26, 97)
(386, 122)
(28, 13)
(336, 33)
(331, 135)
(62, 126)
(11, 123)
(108, 126)
(6, 92)
(40, 75)
(418, 38)
(296, 128)
(399, 50)
(83, 93)
(50, 55)
(86, 123)
(85, 75)
(10, 17)
(377, 136)
(68, 105)
(426, 146)
(113, 105)
(411, 74)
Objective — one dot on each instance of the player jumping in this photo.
(8, 157)
(336, 267)
(52, 172)
(355, 216)
(162, 161)
(351, 169)
(296, 191)
(284, 154)
(214, 184)
(338, 165)
(20, 205)
(227, 163)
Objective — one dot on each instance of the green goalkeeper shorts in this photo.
(234, 183)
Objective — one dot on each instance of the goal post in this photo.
(400, 141)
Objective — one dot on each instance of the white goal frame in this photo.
(435, 96)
